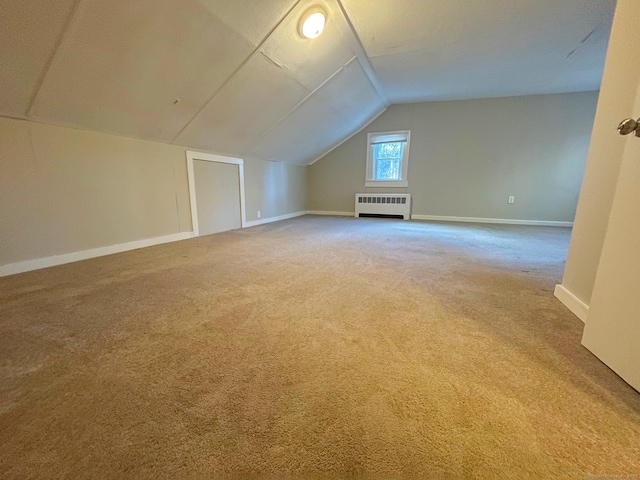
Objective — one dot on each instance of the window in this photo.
(387, 159)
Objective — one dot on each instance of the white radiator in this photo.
(386, 204)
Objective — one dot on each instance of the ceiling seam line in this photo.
(236, 71)
(47, 67)
(374, 118)
(284, 117)
(366, 61)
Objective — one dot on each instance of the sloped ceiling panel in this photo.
(260, 95)
(253, 19)
(311, 62)
(336, 110)
(235, 77)
(273, 85)
(438, 50)
(138, 68)
(351, 93)
(583, 66)
(210, 74)
(317, 126)
(29, 34)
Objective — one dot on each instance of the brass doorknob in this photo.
(629, 126)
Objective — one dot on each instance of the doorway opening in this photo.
(216, 193)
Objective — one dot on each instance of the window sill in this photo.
(386, 183)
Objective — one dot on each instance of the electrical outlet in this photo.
(259, 214)
(512, 199)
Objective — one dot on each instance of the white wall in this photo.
(621, 75)
(64, 190)
(467, 157)
(274, 188)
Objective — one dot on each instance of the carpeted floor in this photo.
(311, 348)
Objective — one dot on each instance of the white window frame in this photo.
(397, 136)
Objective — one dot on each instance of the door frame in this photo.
(209, 157)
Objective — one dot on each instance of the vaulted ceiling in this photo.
(235, 77)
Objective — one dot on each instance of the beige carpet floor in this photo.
(311, 348)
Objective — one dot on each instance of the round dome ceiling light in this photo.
(312, 22)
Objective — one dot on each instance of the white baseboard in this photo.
(29, 265)
(573, 303)
(335, 214)
(501, 221)
(262, 221)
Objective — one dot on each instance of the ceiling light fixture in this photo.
(312, 22)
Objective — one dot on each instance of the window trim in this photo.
(371, 139)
